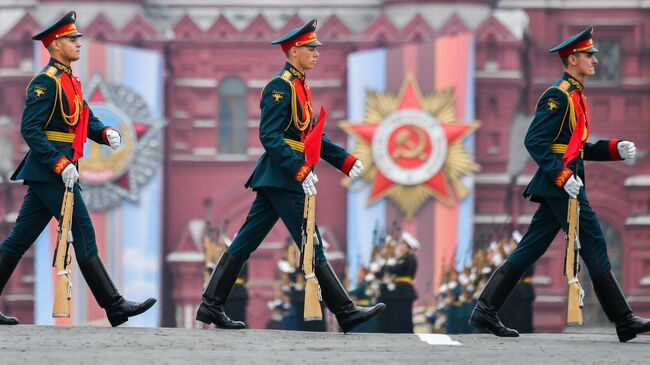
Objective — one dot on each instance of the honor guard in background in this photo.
(517, 311)
(399, 312)
(237, 303)
(280, 181)
(56, 122)
(557, 142)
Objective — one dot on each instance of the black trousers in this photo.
(42, 202)
(550, 217)
(270, 205)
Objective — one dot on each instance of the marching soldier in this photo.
(280, 180)
(55, 124)
(557, 142)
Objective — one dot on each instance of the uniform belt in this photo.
(363, 301)
(404, 279)
(240, 281)
(527, 280)
(295, 145)
(561, 148)
(59, 136)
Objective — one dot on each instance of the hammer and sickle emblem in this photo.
(408, 148)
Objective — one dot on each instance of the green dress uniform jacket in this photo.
(44, 129)
(285, 109)
(547, 139)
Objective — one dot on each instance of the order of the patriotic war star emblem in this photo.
(108, 176)
(412, 147)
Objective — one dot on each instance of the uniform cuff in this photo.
(60, 165)
(347, 164)
(562, 177)
(613, 150)
(302, 173)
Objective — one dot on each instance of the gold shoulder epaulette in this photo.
(564, 85)
(286, 75)
(51, 71)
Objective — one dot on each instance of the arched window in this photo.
(233, 116)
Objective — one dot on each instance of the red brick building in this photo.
(218, 58)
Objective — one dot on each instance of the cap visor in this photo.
(590, 50)
(73, 35)
(313, 44)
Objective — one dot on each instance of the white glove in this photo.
(114, 139)
(573, 185)
(69, 176)
(356, 170)
(626, 149)
(308, 185)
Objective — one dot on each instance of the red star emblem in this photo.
(409, 146)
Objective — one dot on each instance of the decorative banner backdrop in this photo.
(122, 188)
(410, 121)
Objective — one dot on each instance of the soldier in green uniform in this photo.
(56, 122)
(557, 142)
(281, 179)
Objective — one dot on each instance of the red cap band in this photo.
(576, 47)
(58, 33)
(301, 40)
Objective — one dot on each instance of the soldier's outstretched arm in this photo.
(603, 150)
(41, 97)
(336, 155)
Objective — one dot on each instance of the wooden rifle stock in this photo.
(571, 265)
(63, 290)
(312, 297)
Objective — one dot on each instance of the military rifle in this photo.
(61, 262)
(312, 148)
(312, 296)
(572, 265)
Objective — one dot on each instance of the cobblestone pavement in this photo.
(27, 344)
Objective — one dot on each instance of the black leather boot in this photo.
(8, 264)
(617, 309)
(348, 314)
(216, 293)
(118, 310)
(498, 288)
